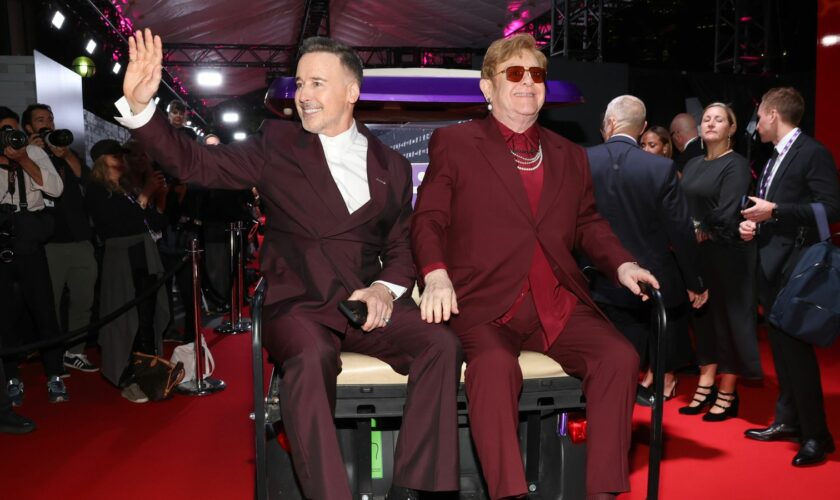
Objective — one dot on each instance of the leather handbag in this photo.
(808, 307)
(156, 376)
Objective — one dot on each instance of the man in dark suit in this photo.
(638, 193)
(800, 172)
(503, 203)
(337, 203)
(685, 138)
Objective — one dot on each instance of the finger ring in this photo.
(387, 321)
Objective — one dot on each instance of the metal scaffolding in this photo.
(743, 42)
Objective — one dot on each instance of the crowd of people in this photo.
(508, 218)
(86, 240)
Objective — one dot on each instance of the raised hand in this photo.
(142, 77)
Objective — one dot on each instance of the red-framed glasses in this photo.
(516, 73)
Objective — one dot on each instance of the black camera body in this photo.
(9, 137)
(58, 138)
(7, 232)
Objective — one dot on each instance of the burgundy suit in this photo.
(473, 215)
(316, 254)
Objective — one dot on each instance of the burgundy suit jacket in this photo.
(315, 252)
(472, 214)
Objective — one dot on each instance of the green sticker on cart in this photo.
(375, 452)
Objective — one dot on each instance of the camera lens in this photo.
(10, 137)
(58, 138)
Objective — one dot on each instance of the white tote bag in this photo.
(186, 354)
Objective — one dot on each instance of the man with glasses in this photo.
(501, 208)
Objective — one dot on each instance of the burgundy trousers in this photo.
(590, 348)
(426, 456)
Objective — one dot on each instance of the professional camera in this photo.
(58, 138)
(7, 231)
(16, 139)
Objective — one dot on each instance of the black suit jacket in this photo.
(639, 195)
(806, 175)
(692, 150)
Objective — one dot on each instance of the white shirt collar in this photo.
(342, 141)
(690, 141)
(784, 140)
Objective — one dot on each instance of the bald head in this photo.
(624, 115)
(683, 129)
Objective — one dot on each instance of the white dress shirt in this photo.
(346, 155)
(52, 184)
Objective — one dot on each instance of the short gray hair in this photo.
(628, 111)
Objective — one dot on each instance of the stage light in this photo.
(189, 123)
(239, 136)
(209, 78)
(117, 68)
(829, 40)
(230, 117)
(157, 100)
(90, 47)
(58, 19)
(84, 66)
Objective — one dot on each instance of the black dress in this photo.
(725, 328)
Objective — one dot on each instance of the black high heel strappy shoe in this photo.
(728, 411)
(705, 399)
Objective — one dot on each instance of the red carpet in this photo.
(100, 446)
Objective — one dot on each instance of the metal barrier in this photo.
(237, 324)
(200, 385)
(261, 480)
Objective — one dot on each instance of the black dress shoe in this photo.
(813, 452)
(644, 395)
(775, 432)
(12, 423)
(400, 493)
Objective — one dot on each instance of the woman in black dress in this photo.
(725, 329)
(129, 219)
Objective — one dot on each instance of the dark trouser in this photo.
(637, 326)
(171, 257)
(800, 390)
(426, 456)
(74, 265)
(144, 340)
(590, 348)
(31, 272)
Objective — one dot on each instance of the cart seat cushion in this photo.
(359, 369)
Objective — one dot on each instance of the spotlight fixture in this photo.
(209, 78)
(239, 136)
(90, 47)
(230, 117)
(189, 123)
(157, 100)
(58, 19)
(117, 68)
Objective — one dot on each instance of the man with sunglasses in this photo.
(502, 206)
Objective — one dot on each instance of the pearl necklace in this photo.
(718, 156)
(526, 164)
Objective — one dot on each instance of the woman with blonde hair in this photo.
(725, 329)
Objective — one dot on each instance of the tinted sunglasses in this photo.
(516, 73)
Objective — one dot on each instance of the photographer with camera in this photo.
(26, 175)
(69, 251)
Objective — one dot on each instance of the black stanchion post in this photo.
(200, 385)
(236, 324)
